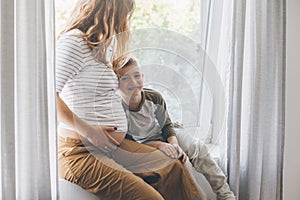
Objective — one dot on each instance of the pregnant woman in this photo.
(93, 151)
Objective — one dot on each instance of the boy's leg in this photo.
(205, 164)
(188, 165)
(167, 175)
(98, 174)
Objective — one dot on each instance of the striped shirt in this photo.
(89, 88)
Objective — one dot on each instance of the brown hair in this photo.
(101, 21)
(130, 62)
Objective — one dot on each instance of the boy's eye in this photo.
(137, 75)
(123, 78)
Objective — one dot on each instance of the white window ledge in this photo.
(214, 151)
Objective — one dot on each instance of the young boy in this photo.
(149, 123)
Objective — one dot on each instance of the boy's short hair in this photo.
(131, 61)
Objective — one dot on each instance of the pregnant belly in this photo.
(118, 136)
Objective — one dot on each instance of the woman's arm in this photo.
(97, 135)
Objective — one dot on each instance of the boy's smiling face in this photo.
(131, 81)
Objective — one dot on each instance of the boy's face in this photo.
(131, 81)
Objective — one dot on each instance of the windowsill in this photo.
(214, 150)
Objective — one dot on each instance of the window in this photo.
(171, 69)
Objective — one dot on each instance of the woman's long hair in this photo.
(102, 22)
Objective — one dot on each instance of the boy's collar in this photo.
(140, 105)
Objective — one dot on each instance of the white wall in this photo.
(291, 169)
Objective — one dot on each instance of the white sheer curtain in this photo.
(27, 137)
(252, 63)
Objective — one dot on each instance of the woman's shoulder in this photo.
(73, 40)
(74, 32)
(72, 35)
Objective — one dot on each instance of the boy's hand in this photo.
(168, 149)
(181, 155)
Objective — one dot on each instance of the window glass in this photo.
(172, 59)
(174, 67)
(182, 16)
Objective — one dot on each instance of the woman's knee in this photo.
(135, 147)
(131, 186)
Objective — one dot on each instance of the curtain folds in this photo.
(252, 47)
(7, 150)
(28, 150)
(251, 62)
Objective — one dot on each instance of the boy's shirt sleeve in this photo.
(162, 116)
(168, 130)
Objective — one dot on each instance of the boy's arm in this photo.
(168, 133)
(171, 149)
(163, 118)
(166, 148)
(168, 130)
(181, 154)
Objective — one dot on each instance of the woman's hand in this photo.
(100, 137)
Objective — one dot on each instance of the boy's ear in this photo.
(143, 76)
